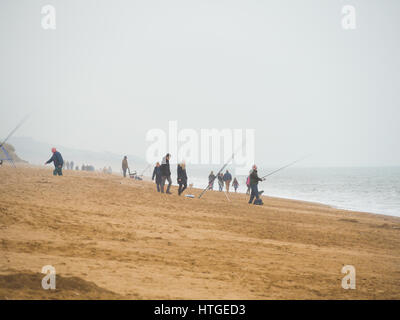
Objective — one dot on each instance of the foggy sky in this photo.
(112, 70)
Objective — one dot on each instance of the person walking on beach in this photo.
(124, 166)
(235, 184)
(166, 173)
(67, 165)
(71, 164)
(58, 161)
(182, 177)
(220, 181)
(211, 179)
(157, 175)
(227, 179)
(248, 183)
(254, 179)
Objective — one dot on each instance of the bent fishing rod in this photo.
(148, 166)
(288, 165)
(15, 129)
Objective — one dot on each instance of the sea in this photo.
(374, 190)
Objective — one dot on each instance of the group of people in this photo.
(107, 170)
(162, 174)
(223, 179)
(87, 167)
(60, 164)
(251, 182)
(69, 165)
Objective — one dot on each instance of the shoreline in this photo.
(147, 179)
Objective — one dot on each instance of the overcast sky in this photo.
(112, 70)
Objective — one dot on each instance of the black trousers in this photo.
(158, 183)
(182, 187)
(254, 192)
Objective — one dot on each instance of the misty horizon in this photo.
(111, 72)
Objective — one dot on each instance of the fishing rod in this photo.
(223, 167)
(148, 166)
(15, 129)
(288, 165)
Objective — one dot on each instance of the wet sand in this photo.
(115, 238)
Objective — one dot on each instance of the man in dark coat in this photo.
(165, 173)
(254, 179)
(157, 175)
(58, 162)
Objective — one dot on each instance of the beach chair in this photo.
(133, 174)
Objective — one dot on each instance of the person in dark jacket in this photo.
(157, 175)
(182, 178)
(211, 179)
(227, 179)
(58, 161)
(254, 179)
(221, 181)
(124, 166)
(165, 173)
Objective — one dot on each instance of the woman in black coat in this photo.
(182, 178)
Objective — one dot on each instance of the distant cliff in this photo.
(11, 152)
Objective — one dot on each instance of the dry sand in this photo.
(114, 238)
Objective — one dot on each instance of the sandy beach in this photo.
(115, 238)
